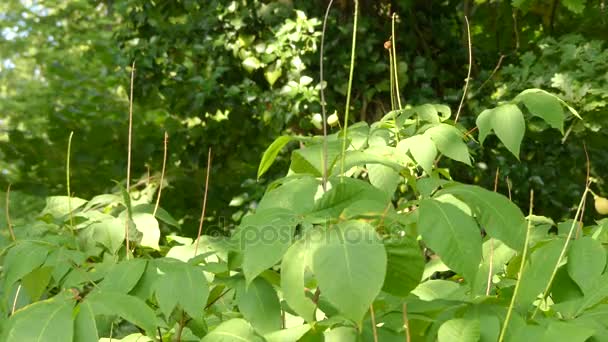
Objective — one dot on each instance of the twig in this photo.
(200, 226)
(15, 300)
(67, 181)
(502, 57)
(521, 271)
(322, 90)
(350, 84)
(466, 83)
(8, 213)
(373, 317)
(130, 140)
(162, 175)
(395, 65)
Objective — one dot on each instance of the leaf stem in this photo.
(466, 83)
(322, 91)
(162, 174)
(373, 319)
(520, 273)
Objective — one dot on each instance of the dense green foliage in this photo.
(379, 231)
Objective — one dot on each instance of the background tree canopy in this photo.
(233, 75)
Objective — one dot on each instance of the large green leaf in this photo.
(36, 282)
(271, 153)
(292, 280)
(350, 265)
(460, 329)
(289, 334)
(22, 259)
(586, 262)
(59, 206)
(128, 307)
(259, 304)
(109, 232)
(234, 330)
(344, 192)
(501, 218)
(49, 320)
(123, 276)
(85, 327)
(296, 194)
(405, 264)
(309, 160)
(191, 282)
(537, 271)
(448, 140)
(383, 177)
(544, 105)
(508, 123)
(452, 234)
(264, 237)
(147, 225)
(423, 150)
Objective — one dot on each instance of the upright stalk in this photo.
(350, 85)
(129, 144)
(322, 90)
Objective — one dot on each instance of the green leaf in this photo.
(272, 74)
(259, 305)
(537, 271)
(507, 121)
(148, 226)
(448, 140)
(557, 331)
(586, 262)
(309, 160)
(271, 153)
(575, 6)
(128, 307)
(435, 289)
(22, 259)
(49, 320)
(350, 265)
(289, 334)
(264, 237)
(296, 194)
(109, 232)
(501, 218)
(460, 329)
(35, 282)
(422, 149)
(251, 63)
(383, 177)
(292, 280)
(192, 284)
(596, 293)
(405, 264)
(59, 206)
(427, 112)
(345, 192)
(85, 327)
(544, 105)
(234, 330)
(452, 234)
(123, 276)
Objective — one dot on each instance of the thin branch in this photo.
(200, 226)
(502, 57)
(162, 174)
(67, 181)
(8, 213)
(466, 84)
(322, 90)
(130, 140)
(491, 261)
(15, 300)
(395, 65)
(503, 330)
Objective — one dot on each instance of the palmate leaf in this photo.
(452, 234)
(448, 140)
(350, 265)
(544, 105)
(586, 262)
(184, 284)
(260, 305)
(123, 276)
(405, 264)
(128, 307)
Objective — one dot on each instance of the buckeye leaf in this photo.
(234, 330)
(184, 284)
(271, 153)
(49, 320)
(264, 237)
(260, 305)
(85, 327)
(508, 124)
(452, 234)
(405, 265)
(292, 280)
(460, 329)
(448, 140)
(423, 150)
(544, 105)
(123, 276)
(586, 262)
(128, 307)
(350, 266)
(501, 218)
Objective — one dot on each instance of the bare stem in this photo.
(200, 226)
(466, 83)
(322, 91)
(162, 174)
(67, 181)
(373, 317)
(520, 273)
(406, 324)
(129, 145)
(8, 213)
(15, 300)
